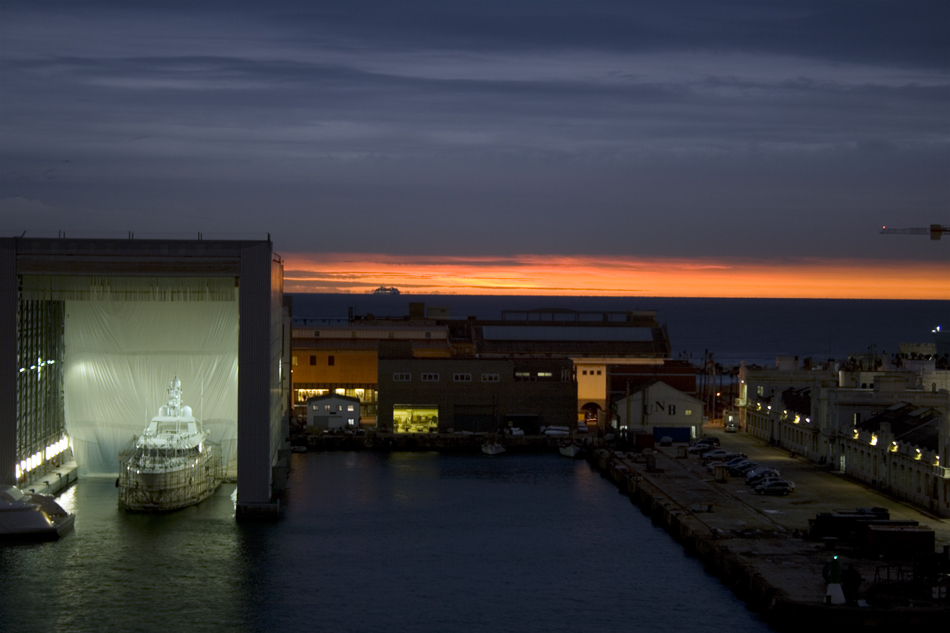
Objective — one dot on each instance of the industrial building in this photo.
(333, 412)
(92, 330)
(427, 395)
(881, 427)
(660, 410)
(609, 351)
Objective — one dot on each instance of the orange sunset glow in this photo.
(617, 276)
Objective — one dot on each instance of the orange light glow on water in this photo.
(617, 276)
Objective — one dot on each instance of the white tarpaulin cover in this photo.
(120, 357)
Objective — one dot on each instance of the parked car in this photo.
(732, 427)
(738, 469)
(718, 453)
(666, 440)
(775, 487)
(707, 440)
(765, 481)
(699, 449)
(754, 476)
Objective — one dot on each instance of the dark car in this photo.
(755, 475)
(699, 449)
(707, 440)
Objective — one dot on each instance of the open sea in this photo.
(424, 542)
(734, 330)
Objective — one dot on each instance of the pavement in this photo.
(767, 532)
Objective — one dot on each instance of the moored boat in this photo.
(26, 515)
(172, 464)
(570, 449)
(493, 447)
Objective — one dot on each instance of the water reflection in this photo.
(373, 542)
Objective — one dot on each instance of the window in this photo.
(760, 390)
(349, 407)
(392, 335)
(688, 412)
(584, 372)
(293, 361)
(316, 333)
(402, 377)
(351, 422)
(326, 407)
(490, 378)
(430, 377)
(331, 361)
(598, 372)
(522, 375)
(428, 334)
(463, 378)
(313, 360)
(672, 409)
(547, 374)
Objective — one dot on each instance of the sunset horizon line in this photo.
(600, 276)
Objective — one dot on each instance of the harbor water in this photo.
(374, 542)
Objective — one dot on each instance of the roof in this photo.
(910, 424)
(333, 396)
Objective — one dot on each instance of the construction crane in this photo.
(935, 231)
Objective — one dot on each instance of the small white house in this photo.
(662, 410)
(333, 411)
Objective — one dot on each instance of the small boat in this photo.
(493, 447)
(30, 515)
(570, 449)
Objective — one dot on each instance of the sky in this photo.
(701, 148)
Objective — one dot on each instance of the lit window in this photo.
(462, 378)
(490, 378)
(760, 390)
(402, 377)
(293, 361)
(349, 407)
(430, 377)
(545, 374)
(688, 412)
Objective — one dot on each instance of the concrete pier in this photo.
(757, 544)
(53, 482)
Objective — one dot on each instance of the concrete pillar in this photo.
(8, 360)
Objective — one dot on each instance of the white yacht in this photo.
(26, 515)
(172, 464)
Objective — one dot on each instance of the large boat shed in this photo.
(92, 329)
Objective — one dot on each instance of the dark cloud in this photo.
(483, 128)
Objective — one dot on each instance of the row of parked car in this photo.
(764, 480)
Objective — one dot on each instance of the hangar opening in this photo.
(98, 329)
(121, 341)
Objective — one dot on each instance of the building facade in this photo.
(659, 409)
(426, 395)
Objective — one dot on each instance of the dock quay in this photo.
(443, 442)
(759, 545)
(53, 481)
